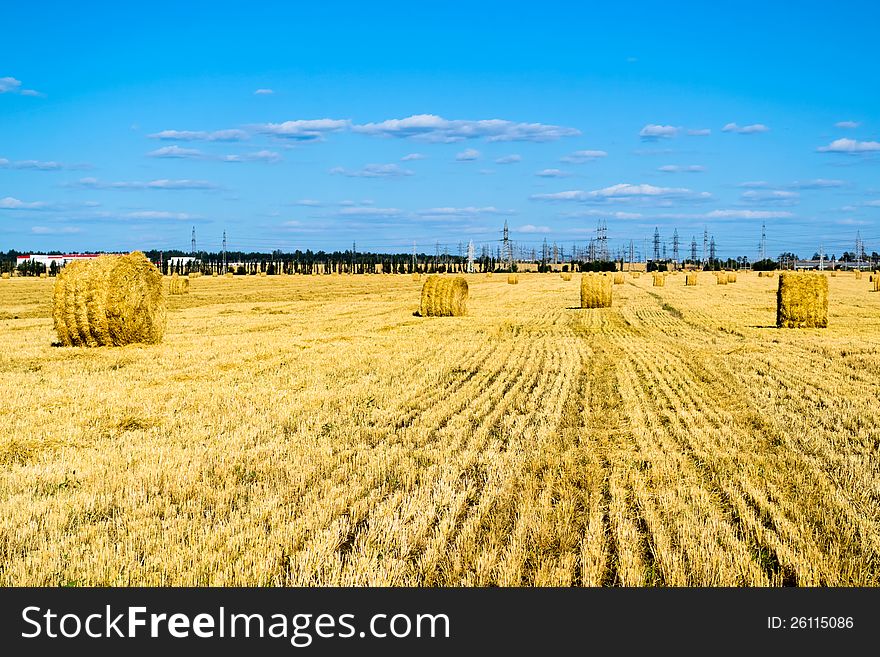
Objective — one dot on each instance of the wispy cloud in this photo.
(729, 214)
(308, 202)
(39, 165)
(653, 132)
(176, 152)
(745, 129)
(601, 213)
(160, 215)
(770, 197)
(433, 128)
(624, 192)
(55, 230)
(847, 125)
(411, 157)
(678, 168)
(552, 173)
(850, 146)
(508, 159)
(579, 157)
(162, 183)
(373, 171)
(11, 203)
(469, 211)
(468, 155)
(531, 228)
(369, 212)
(818, 183)
(200, 135)
(9, 85)
(264, 92)
(257, 156)
(304, 130)
(699, 132)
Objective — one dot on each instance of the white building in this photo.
(59, 260)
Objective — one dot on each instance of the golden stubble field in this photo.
(309, 430)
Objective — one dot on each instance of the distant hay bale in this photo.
(229, 274)
(595, 291)
(566, 276)
(44, 275)
(416, 276)
(263, 273)
(635, 274)
(512, 279)
(858, 274)
(178, 285)
(214, 274)
(731, 277)
(765, 274)
(876, 284)
(659, 280)
(444, 296)
(488, 274)
(690, 278)
(802, 300)
(6, 274)
(721, 278)
(618, 279)
(111, 300)
(195, 274)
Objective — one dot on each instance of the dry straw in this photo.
(659, 280)
(512, 279)
(802, 300)
(618, 279)
(858, 275)
(178, 285)
(416, 276)
(262, 273)
(566, 276)
(635, 274)
(214, 274)
(6, 274)
(111, 300)
(229, 274)
(876, 284)
(444, 296)
(721, 278)
(731, 277)
(690, 278)
(595, 291)
(195, 274)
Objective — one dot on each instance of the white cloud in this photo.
(9, 85)
(818, 183)
(163, 183)
(652, 132)
(745, 129)
(176, 152)
(264, 92)
(369, 212)
(873, 204)
(626, 192)
(508, 159)
(156, 214)
(677, 168)
(373, 171)
(847, 124)
(602, 213)
(258, 156)
(412, 157)
(30, 164)
(463, 212)
(850, 146)
(579, 157)
(433, 128)
(770, 197)
(699, 132)
(531, 228)
(552, 173)
(308, 202)
(304, 130)
(201, 135)
(10, 203)
(467, 155)
(746, 214)
(55, 230)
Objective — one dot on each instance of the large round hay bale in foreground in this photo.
(690, 278)
(111, 300)
(444, 296)
(802, 300)
(595, 291)
(512, 279)
(659, 280)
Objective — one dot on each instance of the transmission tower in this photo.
(631, 254)
(656, 244)
(224, 251)
(705, 243)
(414, 256)
(763, 241)
(693, 249)
(602, 240)
(675, 245)
(470, 257)
(712, 250)
(194, 242)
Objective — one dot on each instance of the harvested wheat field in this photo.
(312, 430)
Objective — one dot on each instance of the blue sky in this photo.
(314, 126)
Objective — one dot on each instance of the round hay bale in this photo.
(512, 279)
(229, 274)
(6, 274)
(416, 276)
(179, 285)
(802, 300)
(566, 276)
(214, 274)
(444, 296)
(488, 274)
(636, 274)
(44, 275)
(111, 300)
(618, 278)
(858, 274)
(263, 273)
(721, 278)
(659, 280)
(195, 274)
(876, 283)
(690, 278)
(731, 277)
(595, 291)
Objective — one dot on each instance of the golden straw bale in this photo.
(595, 291)
(416, 276)
(444, 296)
(731, 277)
(488, 274)
(44, 275)
(635, 274)
(690, 278)
(195, 274)
(229, 274)
(262, 273)
(659, 280)
(876, 284)
(618, 279)
(179, 286)
(5, 274)
(802, 300)
(721, 278)
(566, 276)
(512, 279)
(111, 300)
(858, 274)
(214, 274)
